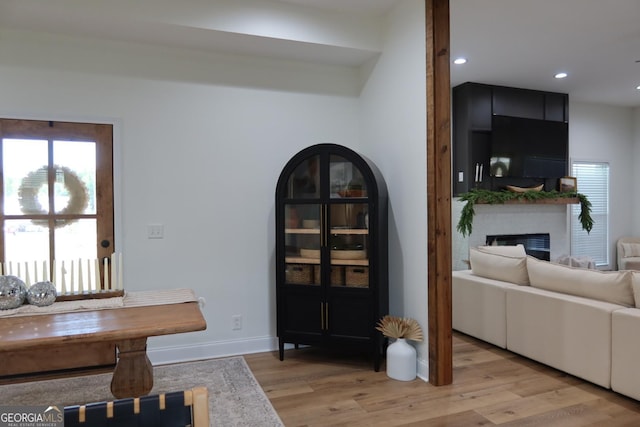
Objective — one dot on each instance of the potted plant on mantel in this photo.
(401, 356)
(465, 224)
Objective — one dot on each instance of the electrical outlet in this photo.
(155, 231)
(236, 322)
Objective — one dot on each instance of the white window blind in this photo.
(593, 182)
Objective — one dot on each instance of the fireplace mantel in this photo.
(556, 201)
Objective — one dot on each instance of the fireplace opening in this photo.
(536, 245)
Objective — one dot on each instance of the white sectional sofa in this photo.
(583, 322)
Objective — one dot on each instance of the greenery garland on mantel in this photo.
(499, 197)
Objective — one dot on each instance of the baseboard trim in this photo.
(211, 350)
(423, 370)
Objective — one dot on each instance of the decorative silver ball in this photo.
(42, 294)
(12, 292)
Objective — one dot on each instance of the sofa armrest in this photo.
(625, 352)
(479, 307)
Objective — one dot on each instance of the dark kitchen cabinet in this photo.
(472, 112)
(473, 108)
(331, 251)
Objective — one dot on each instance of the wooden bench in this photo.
(127, 328)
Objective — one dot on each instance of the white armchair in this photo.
(628, 249)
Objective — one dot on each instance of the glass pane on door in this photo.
(302, 244)
(75, 179)
(345, 179)
(76, 240)
(349, 241)
(26, 191)
(25, 241)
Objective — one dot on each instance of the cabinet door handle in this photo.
(326, 315)
(323, 226)
(322, 316)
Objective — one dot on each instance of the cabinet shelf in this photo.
(301, 260)
(360, 262)
(302, 231)
(360, 231)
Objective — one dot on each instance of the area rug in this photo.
(235, 397)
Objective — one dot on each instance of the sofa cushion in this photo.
(567, 332)
(505, 263)
(630, 250)
(506, 250)
(610, 286)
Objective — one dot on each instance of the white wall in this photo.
(200, 141)
(635, 177)
(605, 133)
(393, 117)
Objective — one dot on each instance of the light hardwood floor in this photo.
(491, 386)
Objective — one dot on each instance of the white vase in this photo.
(401, 360)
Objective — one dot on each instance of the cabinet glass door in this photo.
(304, 182)
(348, 228)
(302, 244)
(349, 242)
(349, 225)
(345, 179)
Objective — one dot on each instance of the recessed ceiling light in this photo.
(560, 75)
(638, 87)
(460, 61)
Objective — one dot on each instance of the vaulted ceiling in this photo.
(520, 43)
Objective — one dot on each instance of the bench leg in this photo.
(133, 375)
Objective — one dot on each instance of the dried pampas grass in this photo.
(400, 327)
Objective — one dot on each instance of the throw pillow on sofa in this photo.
(506, 250)
(631, 250)
(610, 286)
(505, 263)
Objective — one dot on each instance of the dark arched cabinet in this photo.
(331, 250)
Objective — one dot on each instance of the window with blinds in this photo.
(593, 182)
